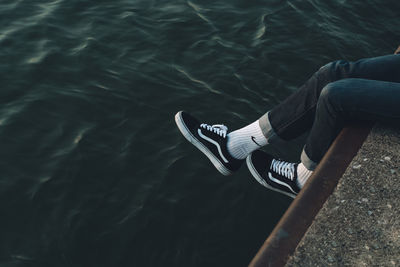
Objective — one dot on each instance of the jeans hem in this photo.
(307, 162)
(267, 129)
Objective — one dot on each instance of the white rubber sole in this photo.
(259, 179)
(192, 139)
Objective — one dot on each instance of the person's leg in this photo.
(340, 102)
(289, 119)
(296, 114)
(347, 100)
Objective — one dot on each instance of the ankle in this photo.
(245, 140)
(302, 175)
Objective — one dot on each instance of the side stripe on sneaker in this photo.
(213, 142)
(280, 182)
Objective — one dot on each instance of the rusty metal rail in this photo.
(287, 234)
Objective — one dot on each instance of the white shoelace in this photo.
(283, 168)
(219, 129)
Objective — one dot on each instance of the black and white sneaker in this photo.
(274, 174)
(210, 139)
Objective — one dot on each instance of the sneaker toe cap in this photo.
(261, 161)
(188, 120)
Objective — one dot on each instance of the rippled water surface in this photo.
(93, 171)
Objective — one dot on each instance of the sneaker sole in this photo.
(192, 139)
(259, 179)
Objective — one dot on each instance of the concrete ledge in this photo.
(359, 225)
(291, 228)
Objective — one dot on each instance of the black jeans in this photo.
(341, 91)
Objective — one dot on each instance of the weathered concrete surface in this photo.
(359, 225)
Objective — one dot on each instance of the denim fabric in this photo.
(367, 89)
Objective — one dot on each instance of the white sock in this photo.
(302, 175)
(245, 140)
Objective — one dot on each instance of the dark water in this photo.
(93, 171)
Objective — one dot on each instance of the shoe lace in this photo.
(219, 129)
(283, 168)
